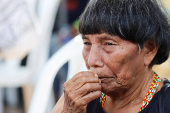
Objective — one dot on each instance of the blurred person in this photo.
(123, 40)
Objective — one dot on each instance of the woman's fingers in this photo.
(80, 90)
(87, 93)
(80, 74)
(82, 81)
(88, 87)
(83, 91)
(79, 81)
(90, 97)
(83, 101)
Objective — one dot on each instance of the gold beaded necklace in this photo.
(148, 97)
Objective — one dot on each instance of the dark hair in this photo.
(138, 21)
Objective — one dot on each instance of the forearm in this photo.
(59, 105)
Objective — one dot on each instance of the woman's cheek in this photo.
(85, 54)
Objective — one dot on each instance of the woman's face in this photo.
(117, 62)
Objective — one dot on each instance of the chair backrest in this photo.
(15, 75)
(71, 52)
(47, 10)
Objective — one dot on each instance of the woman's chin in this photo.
(111, 87)
(107, 88)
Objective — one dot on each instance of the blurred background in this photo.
(31, 31)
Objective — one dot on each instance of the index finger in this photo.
(83, 73)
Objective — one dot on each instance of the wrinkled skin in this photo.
(117, 62)
(120, 69)
(77, 92)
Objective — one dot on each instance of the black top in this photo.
(153, 107)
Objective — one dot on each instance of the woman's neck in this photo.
(132, 96)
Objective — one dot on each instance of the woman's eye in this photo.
(108, 43)
(87, 43)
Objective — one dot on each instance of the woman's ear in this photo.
(150, 50)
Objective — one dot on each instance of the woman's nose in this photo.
(94, 59)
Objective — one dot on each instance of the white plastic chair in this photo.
(38, 56)
(12, 74)
(72, 53)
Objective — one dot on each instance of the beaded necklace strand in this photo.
(151, 92)
(102, 99)
(148, 97)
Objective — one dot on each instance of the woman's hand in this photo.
(79, 91)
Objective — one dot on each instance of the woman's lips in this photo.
(106, 79)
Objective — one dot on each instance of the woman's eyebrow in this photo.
(84, 37)
(106, 37)
(102, 37)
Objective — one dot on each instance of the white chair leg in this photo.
(12, 97)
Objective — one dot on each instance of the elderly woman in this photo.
(123, 39)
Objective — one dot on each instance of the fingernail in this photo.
(96, 75)
(99, 81)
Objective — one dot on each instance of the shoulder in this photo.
(166, 89)
(153, 106)
(167, 97)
